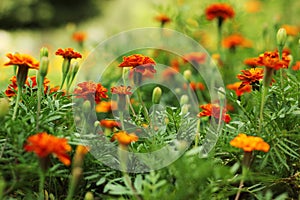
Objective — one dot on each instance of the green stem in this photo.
(40, 91)
(121, 115)
(219, 39)
(41, 185)
(197, 132)
(19, 93)
(146, 114)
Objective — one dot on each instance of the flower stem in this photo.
(19, 93)
(146, 114)
(41, 185)
(121, 115)
(40, 90)
(197, 133)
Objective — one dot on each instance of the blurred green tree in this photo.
(16, 14)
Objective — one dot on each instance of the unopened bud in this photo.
(156, 95)
(66, 66)
(86, 107)
(89, 196)
(281, 37)
(185, 109)
(44, 52)
(4, 107)
(44, 66)
(75, 67)
(184, 99)
(187, 74)
(221, 94)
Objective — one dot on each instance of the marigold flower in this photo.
(219, 10)
(79, 36)
(68, 53)
(249, 143)
(90, 90)
(194, 58)
(163, 19)
(145, 69)
(136, 60)
(43, 144)
(251, 76)
(30, 82)
(235, 40)
(22, 60)
(110, 123)
(213, 110)
(252, 6)
(296, 66)
(271, 60)
(195, 86)
(121, 90)
(291, 30)
(238, 89)
(106, 106)
(251, 62)
(124, 138)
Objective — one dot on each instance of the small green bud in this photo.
(156, 95)
(184, 99)
(96, 124)
(187, 74)
(281, 37)
(44, 52)
(75, 67)
(44, 63)
(4, 107)
(66, 66)
(185, 109)
(86, 107)
(89, 196)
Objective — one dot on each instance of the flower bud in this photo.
(4, 107)
(66, 66)
(89, 196)
(44, 52)
(184, 99)
(281, 37)
(75, 67)
(86, 107)
(221, 94)
(185, 109)
(156, 95)
(44, 66)
(187, 74)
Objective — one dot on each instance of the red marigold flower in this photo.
(90, 90)
(68, 53)
(251, 62)
(43, 144)
(30, 82)
(136, 60)
(235, 40)
(219, 10)
(110, 123)
(213, 110)
(144, 69)
(251, 76)
(121, 90)
(22, 60)
(238, 89)
(250, 143)
(163, 19)
(79, 36)
(124, 138)
(296, 66)
(271, 60)
(195, 58)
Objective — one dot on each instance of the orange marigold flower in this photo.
(238, 89)
(90, 90)
(22, 60)
(195, 86)
(271, 60)
(110, 123)
(121, 90)
(57, 89)
(296, 66)
(251, 76)
(105, 106)
(163, 19)
(146, 70)
(30, 82)
(219, 10)
(213, 110)
(43, 144)
(291, 30)
(136, 60)
(79, 36)
(124, 138)
(250, 143)
(175, 64)
(68, 53)
(235, 40)
(194, 58)
(251, 62)
(252, 6)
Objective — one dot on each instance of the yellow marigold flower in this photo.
(250, 143)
